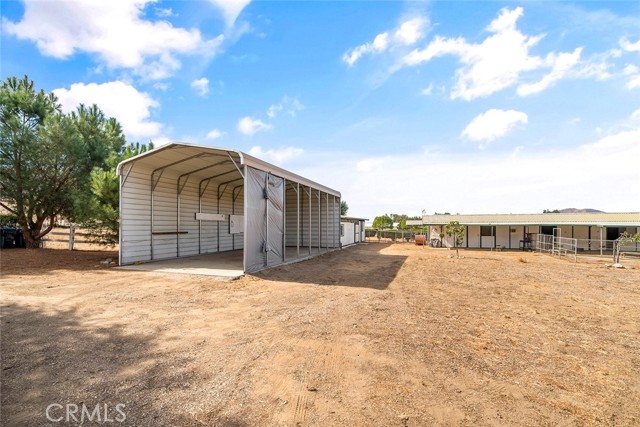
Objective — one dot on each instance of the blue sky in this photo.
(469, 107)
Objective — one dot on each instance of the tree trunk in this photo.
(31, 231)
(29, 241)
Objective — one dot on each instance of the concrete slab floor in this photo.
(226, 265)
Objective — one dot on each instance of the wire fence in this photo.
(585, 248)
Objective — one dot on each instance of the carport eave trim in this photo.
(256, 163)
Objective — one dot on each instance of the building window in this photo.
(487, 230)
(341, 230)
(547, 229)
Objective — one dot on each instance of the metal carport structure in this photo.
(182, 200)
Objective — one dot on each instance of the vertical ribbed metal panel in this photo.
(135, 217)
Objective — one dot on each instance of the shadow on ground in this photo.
(360, 266)
(52, 358)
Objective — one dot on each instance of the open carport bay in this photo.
(227, 265)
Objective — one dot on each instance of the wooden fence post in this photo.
(72, 233)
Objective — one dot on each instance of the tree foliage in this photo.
(382, 222)
(456, 230)
(46, 157)
(403, 223)
(622, 240)
(344, 208)
(104, 219)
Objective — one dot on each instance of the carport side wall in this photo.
(135, 222)
(136, 218)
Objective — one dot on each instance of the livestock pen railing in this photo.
(557, 245)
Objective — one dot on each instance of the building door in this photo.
(613, 233)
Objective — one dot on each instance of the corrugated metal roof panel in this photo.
(179, 158)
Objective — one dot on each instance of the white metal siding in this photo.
(349, 233)
(291, 206)
(134, 217)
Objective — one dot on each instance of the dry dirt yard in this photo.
(385, 335)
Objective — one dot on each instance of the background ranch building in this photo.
(245, 214)
(511, 231)
(351, 230)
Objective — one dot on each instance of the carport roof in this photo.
(624, 219)
(193, 159)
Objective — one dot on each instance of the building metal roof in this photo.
(195, 160)
(352, 219)
(622, 219)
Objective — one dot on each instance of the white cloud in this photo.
(630, 70)
(427, 90)
(408, 33)
(629, 46)
(161, 86)
(493, 124)
(201, 86)
(368, 165)
(159, 141)
(114, 31)
(230, 9)
(164, 12)
(561, 65)
(634, 82)
(633, 73)
(276, 155)
(274, 110)
(379, 44)
(500, 60)
(290, 106)
(411, 31)
(490, 66)
(116, 99)
(215, 134)
(249, 126)
(522, 180)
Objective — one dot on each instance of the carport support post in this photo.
(298, 220)
(334, 224)
(284, 220)
(151, 187)
(309, 237)
(326, 230)
(233, 212)
(319, 221)
(266, 220)
(245, 235)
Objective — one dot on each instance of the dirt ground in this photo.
(385, 335)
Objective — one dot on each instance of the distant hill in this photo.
(574, 210)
